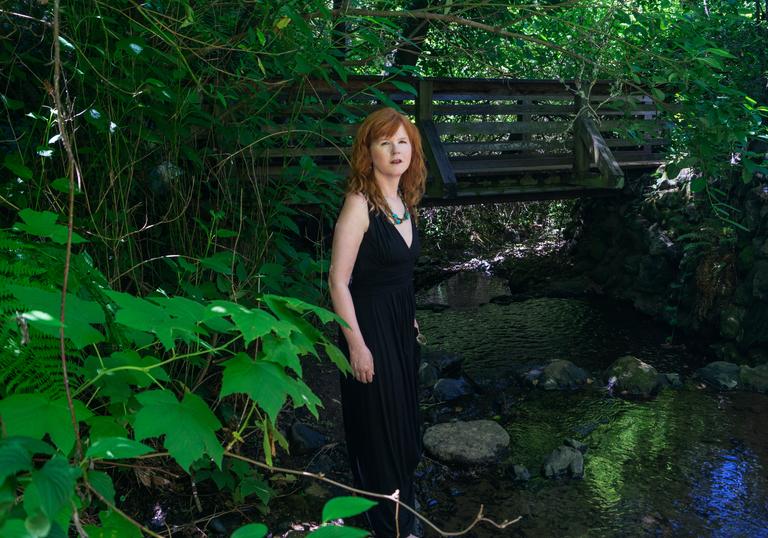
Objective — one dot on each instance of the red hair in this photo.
(379, 124)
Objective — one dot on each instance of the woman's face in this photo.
(391, 155)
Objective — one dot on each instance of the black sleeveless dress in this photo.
(381, 418)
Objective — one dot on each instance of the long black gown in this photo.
(381, 419)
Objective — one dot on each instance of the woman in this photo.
(375, 246)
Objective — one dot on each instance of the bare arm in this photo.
(347, 236)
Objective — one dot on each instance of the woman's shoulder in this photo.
(355, 210)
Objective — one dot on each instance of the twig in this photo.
(72, 169)
(122, 514)
(480, 517)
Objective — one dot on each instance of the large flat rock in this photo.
(475, 442)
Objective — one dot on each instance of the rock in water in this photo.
(475, 442)
(447, 390)
(564, 460)
(720, 375)
(562, 375)
(428, 375)
(633, 377)
(755, 379)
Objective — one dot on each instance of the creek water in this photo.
(691, 462)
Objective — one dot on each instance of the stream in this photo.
(691, 462)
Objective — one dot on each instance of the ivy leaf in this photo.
(341, 507)
(189, 426)
(34, 415)
(102, 483)
(112, 448)
(43, 224)
(252, 530)
(267, 384)
(51, 488)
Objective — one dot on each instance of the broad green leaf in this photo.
(113, 526)
(13, 458)
(251, 485)
(112, 448)
(267, 384)
(252, 323)
(333, 531)
(721, 52)
(189, 426)
(281, 351)
(711, 61)
(122, 371)
(34, 415)
(221, 262)
(105, 426)
(38, 524)
(143, 315)
(252, 530)
(337, 358)
(43, 224)
(14, 163)
(102, 483)
(341, 507)
(404, 86)
(42, 311)
(52, 487)
(698, 184)
(15, 528)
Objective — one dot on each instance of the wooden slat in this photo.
(500, 127)
(485, 109)
(465, 147)
(501, 166)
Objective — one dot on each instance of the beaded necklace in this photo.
(395, 217)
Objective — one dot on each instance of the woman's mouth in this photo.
(395, 161)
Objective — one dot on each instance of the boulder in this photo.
(720, 375)
(474, 443)
(629, 376)
(755, 379)
(304, 439)
(731, 322)
(556, 375)
(671, 380)
(446, 390)
(520, 473)
(564, 461)
(578, 445)
(447, 364)
(428, 375)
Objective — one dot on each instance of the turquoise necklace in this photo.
(395, 217)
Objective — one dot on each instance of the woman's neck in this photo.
(388, 186)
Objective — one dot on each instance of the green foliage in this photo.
(126, 394)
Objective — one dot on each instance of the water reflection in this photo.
(688, 463)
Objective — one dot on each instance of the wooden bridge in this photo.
(485, 139)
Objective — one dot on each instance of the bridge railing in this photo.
(483, 136)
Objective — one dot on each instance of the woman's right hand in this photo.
(361, 360)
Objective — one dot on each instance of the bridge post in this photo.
(443, 184)
(580, 152)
